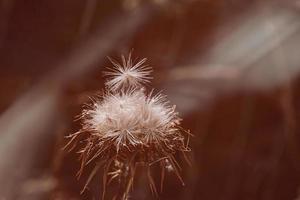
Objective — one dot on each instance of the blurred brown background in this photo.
(231, 67)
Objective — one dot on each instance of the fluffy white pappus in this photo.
(131, 118)
(128, 126)
(128, 74)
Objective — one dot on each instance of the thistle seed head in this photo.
(126, 126)
(132, 121)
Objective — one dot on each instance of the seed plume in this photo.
(127, 74)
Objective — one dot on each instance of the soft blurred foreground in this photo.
(231, 66)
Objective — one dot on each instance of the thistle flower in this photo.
(126, 126)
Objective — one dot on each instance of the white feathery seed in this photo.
(128, 74)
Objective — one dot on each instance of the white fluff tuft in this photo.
(131, 118)
(128, 74)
